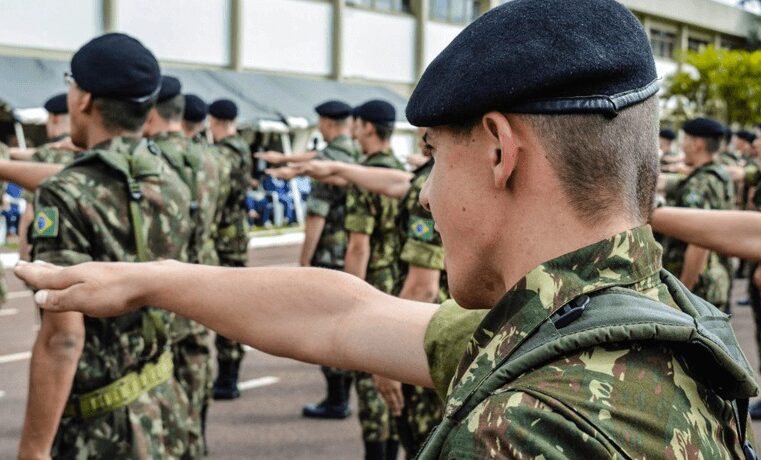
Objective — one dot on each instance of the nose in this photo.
(424, 194)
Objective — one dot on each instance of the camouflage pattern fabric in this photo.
(83, 215)
(375, 215)
(191, 341)
(232, 231)
(47, 153)
(329, 202)
(708, 187)
(595, 403)
(729, 158)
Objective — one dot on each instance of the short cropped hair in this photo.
(120, 114)
(606, 166)
(383, 130)
(172, 109)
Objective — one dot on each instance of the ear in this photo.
(503, 147)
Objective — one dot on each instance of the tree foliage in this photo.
(723, 84)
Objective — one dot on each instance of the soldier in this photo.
(198, 169)
(729, 154)
(325, 239)
(232, 235)
(58, 150)
(590, 349)
(107, 385)
(666, 140)
(709, 186)
(194, 118)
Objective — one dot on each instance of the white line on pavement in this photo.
(9, 259)
(18, 295)
(15, 357)
(287, 239)
(2, 393)
(8, 311)
(256, 383)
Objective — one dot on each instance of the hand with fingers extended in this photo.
(391, 392)
(94, 288)
(283, 173)
(272, 157)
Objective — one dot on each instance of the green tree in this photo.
(724, 84)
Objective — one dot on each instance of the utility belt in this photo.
(121, 392)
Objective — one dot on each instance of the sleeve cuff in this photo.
(423, 255)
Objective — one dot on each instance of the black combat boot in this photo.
(336, 403)
(392, 449)
(755, 410)
(226, 385)
(375, 450)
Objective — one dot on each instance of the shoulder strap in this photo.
(619, 315)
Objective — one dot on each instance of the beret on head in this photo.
(746, 136)
(704, 127)
(117, 66)
(667, 134)
(376, 111)
(224, 109)
(170, 87)
(195, 109)
(539, 57)
(57, 104)
(336, 110)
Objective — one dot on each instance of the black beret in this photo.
(746, 136)
(704, 127)
(195, 109)
(667, 134)
(224, 109)
(170, 87)
(377, 111)
(336, 110)
(57, 104)
(117, 66)
(542, 57)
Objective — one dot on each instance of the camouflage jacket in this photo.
(375, 215)
(729, 158)
(198, 167)
(421, 243)
(632, 400)
(708, 187)
(329, 202)
(83, 214)
(235, 174)
(46, 153)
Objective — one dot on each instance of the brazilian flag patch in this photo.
(46, 223)
(421, 229)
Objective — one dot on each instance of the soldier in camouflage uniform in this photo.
(589, 351)
(108, 381)
(325, 239)
(372, 251)
(199, 170)
(232, 232)
(709, 186)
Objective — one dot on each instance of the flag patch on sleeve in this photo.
(46, 223)
(421, 229)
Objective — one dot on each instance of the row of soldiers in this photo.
(131, 176)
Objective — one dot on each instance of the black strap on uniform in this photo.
(740, 408)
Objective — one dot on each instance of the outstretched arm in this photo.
(313, 315)
(385, 181)
(278, 158)
(28, 174)
(732, 233)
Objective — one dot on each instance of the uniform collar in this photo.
(631, 258)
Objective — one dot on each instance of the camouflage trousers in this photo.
(385, 279)
(229, 350)
(423, 410)
(3, 286)
(152, 426)
(714, 285)
(374, 417)
(193, 372)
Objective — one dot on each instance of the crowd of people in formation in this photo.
(548, 328)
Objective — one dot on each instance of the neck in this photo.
(702, 159)
(374, 145)
(334, 135)
(165, 127)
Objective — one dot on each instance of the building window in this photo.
(663, 43)
(696, 44)
(458, 11)
(382, 5)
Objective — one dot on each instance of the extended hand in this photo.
(284, 173)
(272, 157)
(317, 168)
(65, 144)
(95, 288)
(391, 392)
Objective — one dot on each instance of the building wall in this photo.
(288, 35)
(39, 24)
(438, 36)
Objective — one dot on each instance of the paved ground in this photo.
(265, 422)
